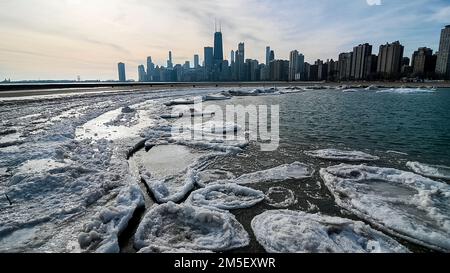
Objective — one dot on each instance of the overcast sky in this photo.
(60, 39)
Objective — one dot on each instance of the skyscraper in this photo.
(443, 56)
(196, 61)
(423, 61)
(209, 58)
(122, 74)
(218, 48)
(141, 73)
(272, 56)
(170, 62)
(240, 62)
(293, 64)
(267, 55)
(360, 61)
(150, 68)
(345, 66)
(390, 60)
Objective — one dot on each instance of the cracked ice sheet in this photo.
(285, 231)
(52, 206)
(176, 228)
(401, 203)
(226, 196)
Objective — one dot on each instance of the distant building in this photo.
(150, 68)
(196, 61)
(345, 66)
(293, 65)
(240, 62)
(443, 56)
(322, 70)
(390, 60)
(279, 70)
(296, 66)
(423, 62)
(141, 73)
(268, 55)
(333, 70)
(187, 65)
(272, 56)
(170, 61)
(218, 48)
(122, 74)
(209, 62)
(360, 60)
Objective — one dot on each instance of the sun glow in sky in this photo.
(60, 39)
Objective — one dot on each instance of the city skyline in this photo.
(41, 45)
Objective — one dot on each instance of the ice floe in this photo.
(170, 188)
(207, 177)
(401, 203)
(407, 91)
(102, 234)
(280, 198)
(181, 101)
(215, 97)
(285, 231)
(433, 171)
(226, 196)
(295, 170)
(341, 155)
(175, 228)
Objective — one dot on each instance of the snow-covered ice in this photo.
(215, 97)
(342, 155)
(433, 171)
(401, 203)
(285, 231)
(102, 234)
(67, 168)
(176, 228)
(280, 198)
(207, 177)
(171, 188)
(407, 91)
(226, 196)
(295, 170)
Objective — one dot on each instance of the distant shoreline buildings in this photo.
(357, 65)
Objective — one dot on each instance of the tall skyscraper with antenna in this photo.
(218, 45)
(170, 62)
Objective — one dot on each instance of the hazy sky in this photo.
(60, 39)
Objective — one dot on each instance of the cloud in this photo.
(441, 15)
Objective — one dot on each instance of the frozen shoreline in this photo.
(70, 169)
